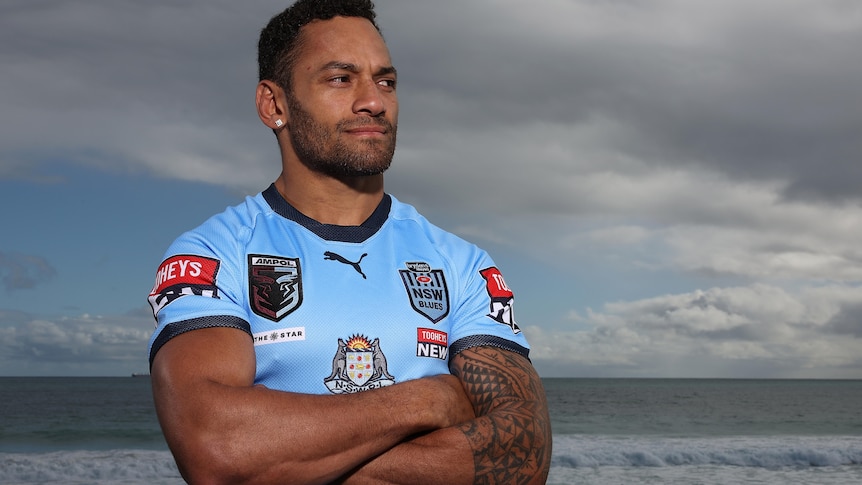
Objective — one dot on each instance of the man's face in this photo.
(343, 110)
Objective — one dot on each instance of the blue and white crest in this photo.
(427, 290)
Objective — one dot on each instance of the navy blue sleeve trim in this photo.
(487, 340)
(178, 328)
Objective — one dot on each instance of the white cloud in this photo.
(64, 346)
(766, 330)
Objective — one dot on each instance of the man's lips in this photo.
(367, 127)
(367, 130)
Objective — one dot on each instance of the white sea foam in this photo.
(705, 475)
(773, 452)
(576, 459)
(132, 467)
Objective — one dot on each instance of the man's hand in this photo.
(452, 401)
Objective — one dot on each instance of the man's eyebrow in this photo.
(386, 70)
(350, 67)
(338, 65)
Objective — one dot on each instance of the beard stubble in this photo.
(322, 149)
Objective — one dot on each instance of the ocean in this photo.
(100, 431)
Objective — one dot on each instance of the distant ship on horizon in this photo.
(140, 374)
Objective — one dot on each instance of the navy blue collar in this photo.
(330, 232)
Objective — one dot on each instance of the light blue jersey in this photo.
(334, 309)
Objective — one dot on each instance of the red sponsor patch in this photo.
(185, 270)
(430, 336)
(496, 284)
(432, 343)
(502, 299)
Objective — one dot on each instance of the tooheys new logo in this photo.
(502, 298)
(183, 275)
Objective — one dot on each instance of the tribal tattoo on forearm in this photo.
(511, 437)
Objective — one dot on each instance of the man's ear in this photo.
(270, 100)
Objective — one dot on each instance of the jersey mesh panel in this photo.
(179, 328)
(487, 341)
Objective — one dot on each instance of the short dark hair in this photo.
(280, 41)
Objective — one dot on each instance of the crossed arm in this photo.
(223, 429)
(509, 442)
(511, 436)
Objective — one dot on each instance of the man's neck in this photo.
(328, 200)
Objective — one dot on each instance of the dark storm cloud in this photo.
(848, 321)
(88, 54)
(24, 271)
(761, 91)
(758, 92)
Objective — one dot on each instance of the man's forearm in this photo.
(441, 457)
(511, 439)
(509, 443)
(489, 450)
(221, 429)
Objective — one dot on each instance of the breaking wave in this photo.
(133, 467)
(576, 451)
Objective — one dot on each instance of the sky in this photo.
(670, 187)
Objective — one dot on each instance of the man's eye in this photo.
(389, 83)
(339, 79)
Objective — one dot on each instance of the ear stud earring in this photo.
(278, 123)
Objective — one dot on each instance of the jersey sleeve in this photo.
(484, 309)
(197, 285)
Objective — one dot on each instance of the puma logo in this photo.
(330, 256)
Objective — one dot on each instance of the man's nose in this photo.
(369, 99)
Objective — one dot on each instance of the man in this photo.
(323, 331)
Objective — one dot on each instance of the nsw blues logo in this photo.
(427, 290)
(274, 285)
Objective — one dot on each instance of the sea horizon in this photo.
(100, 430)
